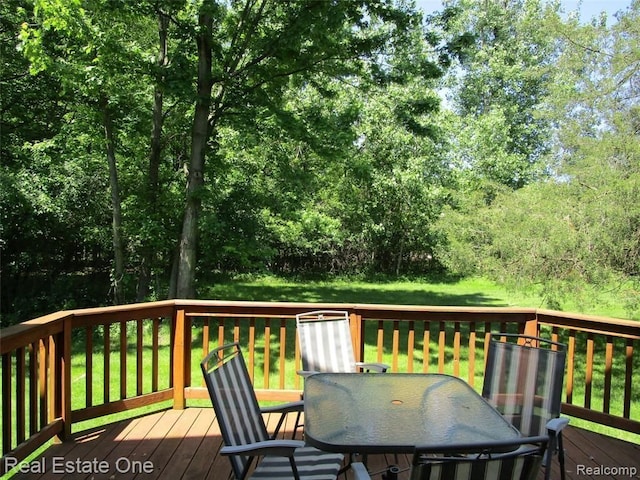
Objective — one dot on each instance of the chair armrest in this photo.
(360, 471)
(297, 406)
(376, 367)
(306, 373)
(279, 448)
(557, 424)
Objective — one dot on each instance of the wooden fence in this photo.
(73, 366)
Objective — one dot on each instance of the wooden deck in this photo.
(184, 445)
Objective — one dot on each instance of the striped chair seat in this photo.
(513, 460)
(312, 464)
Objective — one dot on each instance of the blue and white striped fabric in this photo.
(312, 464)
(524, 383)
(516, 460)
(325, 342)
(515, 468)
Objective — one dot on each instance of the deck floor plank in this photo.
(185, 445)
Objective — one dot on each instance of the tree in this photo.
(504, 61)
(246, 55)
(99, 76)
(578, 232)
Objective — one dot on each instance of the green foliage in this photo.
(501, 81)
(327, 146)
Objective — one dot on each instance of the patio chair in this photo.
(244, 432)
(523, 381)
(326, 345)
(514, 460)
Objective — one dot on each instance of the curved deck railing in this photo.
(71, 366)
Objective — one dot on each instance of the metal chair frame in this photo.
(244, 433)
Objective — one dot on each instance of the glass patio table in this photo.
(394, 412)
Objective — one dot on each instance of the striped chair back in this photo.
(325, 341)
(234, 401)
(523, 380)
(521, 462)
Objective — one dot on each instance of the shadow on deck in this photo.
(185, 444)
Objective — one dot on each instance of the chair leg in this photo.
(549, 457)
(296, 425)
(561, 456)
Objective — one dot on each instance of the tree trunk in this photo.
(199, 137)
(118, 244)
(144, 271)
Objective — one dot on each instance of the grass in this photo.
(472, 291)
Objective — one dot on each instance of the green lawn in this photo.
(464, 292)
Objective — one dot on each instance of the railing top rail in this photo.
(30, 331)
(591, 323)
(368, 309)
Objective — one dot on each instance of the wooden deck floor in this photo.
(184, 445)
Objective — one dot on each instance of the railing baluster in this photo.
(221, 341)
(487, 339)
(283, 351)
(43, 375)
(425, 346)
(155, 349)
(267, 352)
(7, 415)
(139, 359)
(588, 381)
(626, 409)
(442, 343)
(171, 351)
(471, 376)
(88, 361)
(456, 350)
(380, 341)
(410, 345)
(54, 376)
(33, 388)
(205, 337)
(571, 352)
(298, 363)
(252, 348)
(608, 364)
(106, 392)
(395, 344)
(20, 413)
(123, 360)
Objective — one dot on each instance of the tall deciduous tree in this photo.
(501, 81)
(95, 51)
(576, 234)
(248, 51)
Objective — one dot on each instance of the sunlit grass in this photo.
(443, 291)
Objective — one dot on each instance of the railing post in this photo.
(355, 322)
(531, 327)
(61, 379)
(66, 378)
(179, 359)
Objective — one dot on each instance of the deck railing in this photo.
(73, 366)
